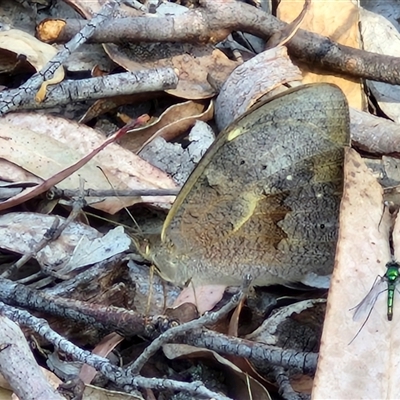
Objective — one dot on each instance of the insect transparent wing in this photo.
(364, 308)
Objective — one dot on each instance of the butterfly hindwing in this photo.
(265, 197)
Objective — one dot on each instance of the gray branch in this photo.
(252, 351)
(12, 101)
(97, 316)
(122, 377)
(19, 367)
(177, 331)
(125, 83)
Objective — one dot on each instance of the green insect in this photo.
(387, 282)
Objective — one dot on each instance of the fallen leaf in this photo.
(366, 368)
(21, 233)
(269, 70)
(91, 251)
(240, 385)
(172, 123)
(36, 52)
(381, 37)
(194, 63)
(103, 349)
(70, 141)
(204, 297)
(337, 20)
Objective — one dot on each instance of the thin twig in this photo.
(176, 331)
(47, 237)
(55, 193)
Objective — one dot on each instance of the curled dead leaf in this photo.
(36, 52)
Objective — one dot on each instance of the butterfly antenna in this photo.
(194, 292)
(120, 200)
(150, 295)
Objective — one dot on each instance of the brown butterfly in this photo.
(264, 200)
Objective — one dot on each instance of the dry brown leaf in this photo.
(103, 349)
(31, 192)
(172, 123)
(123, 169)
(337, 20)
(13, 173)
(194, 63)
(253, 79)
(366, 368)
(381, 37)
(36, 52)
(103, 106)
(241, 386)
(205, 298)
(11, 63)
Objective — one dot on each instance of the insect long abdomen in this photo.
(391, 287)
